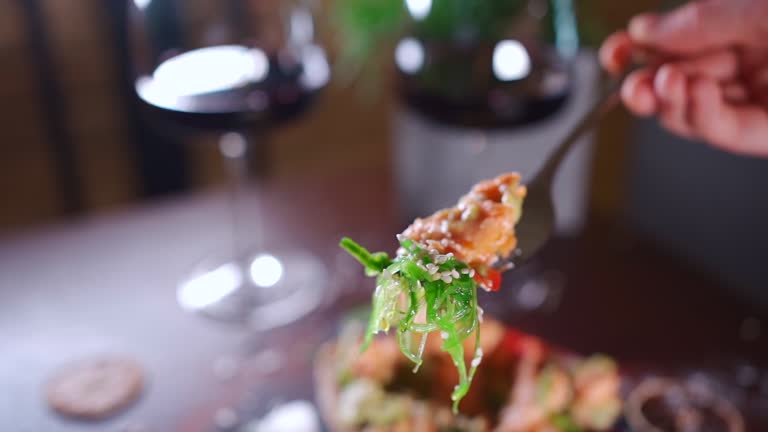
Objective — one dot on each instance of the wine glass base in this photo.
(261, 291)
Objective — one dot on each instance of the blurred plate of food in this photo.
(523, 385)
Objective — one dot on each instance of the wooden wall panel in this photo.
(608, 185)
(343, 131)
(81, 46)
(27, 186)
(206, 161)
(28, 192)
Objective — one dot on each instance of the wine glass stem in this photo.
(236, 148)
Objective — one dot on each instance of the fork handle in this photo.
(606, 101)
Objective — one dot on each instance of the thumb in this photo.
(703, 25)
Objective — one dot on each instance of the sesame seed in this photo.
(400, 237)
(476, 362)
(436, 276)
(455, 274)
(449, 254)
(444, 335)
(447, 278)
(479, 352)
(465, 271)
(472, 273)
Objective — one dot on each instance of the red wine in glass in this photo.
(233, 87)
(236, 68)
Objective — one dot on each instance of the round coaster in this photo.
(95, 388)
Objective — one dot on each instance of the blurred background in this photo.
(125, 125)
(75, 141)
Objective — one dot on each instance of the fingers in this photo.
(665, 91)
(721, 65)
(638, 94)
(616, 52)
(670, 86)
(700, 106)
(699, 89)
(701, 26)
(737, 129)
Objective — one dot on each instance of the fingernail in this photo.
(668, 83)
(646, 104)
(661, 82)
(638, 96)
(641, 27)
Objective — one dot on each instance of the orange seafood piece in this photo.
(481, 227)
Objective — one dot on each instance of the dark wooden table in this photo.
(107, 285)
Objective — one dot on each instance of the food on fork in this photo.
(524, 386)
(480, 228)
(430, 286)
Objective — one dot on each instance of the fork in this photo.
(538, 218)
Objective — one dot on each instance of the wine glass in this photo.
(236, 68)
(698, 402)
(490, 64)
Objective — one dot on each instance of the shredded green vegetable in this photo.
(421, 280)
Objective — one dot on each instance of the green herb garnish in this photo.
(374, 263)
(439, 286)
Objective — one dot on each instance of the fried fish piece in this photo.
(481, 227)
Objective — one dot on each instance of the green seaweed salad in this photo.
(420, 291)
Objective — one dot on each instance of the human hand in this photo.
(711, 78)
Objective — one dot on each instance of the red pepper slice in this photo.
(490, 280)
(517, 343)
